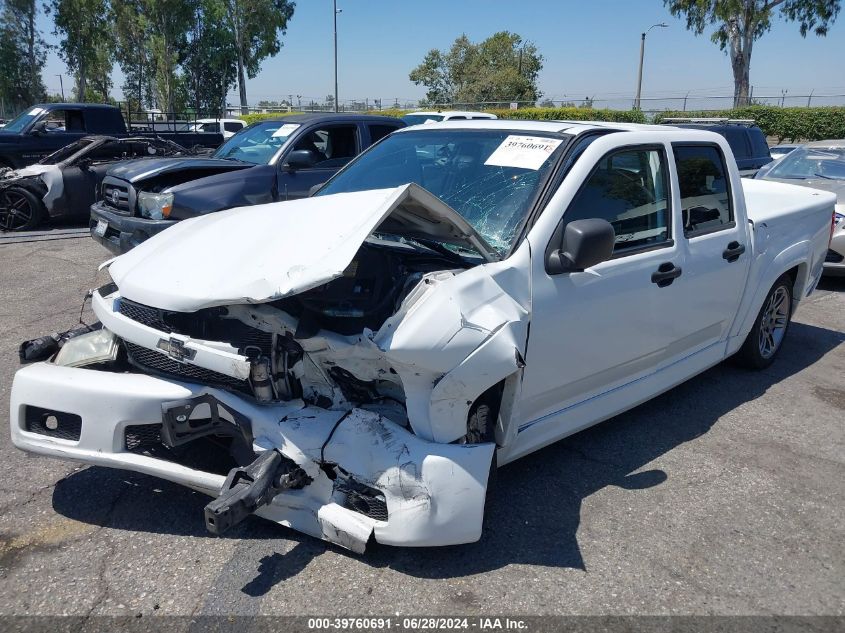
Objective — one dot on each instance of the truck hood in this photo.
(135, 171)
(266, 252)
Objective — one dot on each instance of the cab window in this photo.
(705, 194)
(629, 189)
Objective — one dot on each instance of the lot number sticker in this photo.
(526, 152)
(286, 130)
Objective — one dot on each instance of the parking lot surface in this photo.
(726, 495)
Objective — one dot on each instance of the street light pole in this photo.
(640, 73)
(62, 84)
(334, 4)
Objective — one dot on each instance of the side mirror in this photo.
(584, 243)
(84, 163)
(299, 159)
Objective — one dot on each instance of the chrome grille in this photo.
(161, 363)
(116, 196)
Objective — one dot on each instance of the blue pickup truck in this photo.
(44, 128)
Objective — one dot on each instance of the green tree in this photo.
(502, 68)
(86, 42)
(21, 55)
(132, 53)
(255, 29)
(739, 23)
(208, 59)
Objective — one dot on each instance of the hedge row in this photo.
(254, 118)
(793, 124)
(572, 114)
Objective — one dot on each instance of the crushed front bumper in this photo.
(434, 493)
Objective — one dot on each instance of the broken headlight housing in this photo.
(95, 347)
(155, 206)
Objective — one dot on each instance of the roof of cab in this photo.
(568, 127)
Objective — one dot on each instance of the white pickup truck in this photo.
(455, 298)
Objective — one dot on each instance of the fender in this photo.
(796, 255)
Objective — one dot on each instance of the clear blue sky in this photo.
(590, 48)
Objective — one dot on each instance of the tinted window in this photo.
(759, 146)
(331, 147)
(629, 190)
(209, 127)
(232, 126)
(378, 132)
(738, 140)
(456, 118)
(705, 196)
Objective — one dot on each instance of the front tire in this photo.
(20, 210)
(766, 337)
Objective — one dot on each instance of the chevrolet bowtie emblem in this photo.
(176, 349)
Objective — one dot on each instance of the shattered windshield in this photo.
(257, 144)
(490, 177)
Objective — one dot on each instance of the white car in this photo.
(366, 356)
(416, 118)
(227, 127)
(818, 165)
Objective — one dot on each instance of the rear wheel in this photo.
(764, 341)
(20, 210)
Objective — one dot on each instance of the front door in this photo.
(331, 147)
(596, 331)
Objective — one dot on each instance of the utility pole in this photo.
(334, 4)
(62, 85)
(642, 55)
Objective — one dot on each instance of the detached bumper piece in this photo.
(249, 488)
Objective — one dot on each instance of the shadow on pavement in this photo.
(535, 513)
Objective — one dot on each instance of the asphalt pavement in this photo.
(726, 496)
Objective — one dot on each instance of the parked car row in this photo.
(355, 364)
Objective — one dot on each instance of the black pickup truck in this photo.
(269, 161)
(47, 127)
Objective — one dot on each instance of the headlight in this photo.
(87, 349)
(155, 206)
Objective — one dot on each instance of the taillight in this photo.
(835, 219)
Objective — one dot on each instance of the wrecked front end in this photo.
(339, 409)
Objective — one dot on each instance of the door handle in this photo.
(665, 274)
(733, 251)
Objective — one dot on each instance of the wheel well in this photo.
(793, 275)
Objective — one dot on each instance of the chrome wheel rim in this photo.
(773, 322)
(15, 211)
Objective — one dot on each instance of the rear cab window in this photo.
(379, 130)
(704, 189)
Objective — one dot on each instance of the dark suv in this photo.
(746, 140)
(266, 162)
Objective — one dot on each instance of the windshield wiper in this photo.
(825, 177)
(437, 247)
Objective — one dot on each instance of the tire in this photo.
(20, 210)
(766, 337)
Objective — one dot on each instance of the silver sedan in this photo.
(820, 165)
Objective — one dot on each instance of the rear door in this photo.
(716, 255)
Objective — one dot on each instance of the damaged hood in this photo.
(32, 170)
(137, 170)
(266, 252)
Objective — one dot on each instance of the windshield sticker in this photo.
(36, 111)
(526, 152)
(286, 130)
